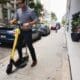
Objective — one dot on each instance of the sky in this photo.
(56, 6)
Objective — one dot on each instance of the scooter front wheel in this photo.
(9, 68)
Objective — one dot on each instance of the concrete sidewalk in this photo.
(74, 55)
(52, 64)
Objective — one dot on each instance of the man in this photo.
(27, 17)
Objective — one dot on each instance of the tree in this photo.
(31, 3)
(63, 21)
(4, 1)
(53, 16)
(36, 6)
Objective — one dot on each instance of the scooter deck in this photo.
(20, 63)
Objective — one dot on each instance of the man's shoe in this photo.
(34, 63)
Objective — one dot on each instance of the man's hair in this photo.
(23, 1)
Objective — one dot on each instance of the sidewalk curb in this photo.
(66, 36)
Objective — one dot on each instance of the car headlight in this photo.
(12, 32)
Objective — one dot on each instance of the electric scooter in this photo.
(20, 63)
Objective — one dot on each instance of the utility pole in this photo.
(15, 4)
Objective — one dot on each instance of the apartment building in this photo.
(5, 10)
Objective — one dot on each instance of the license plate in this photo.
(3, 36)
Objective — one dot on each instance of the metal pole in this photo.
(9, 15)
(15, 4)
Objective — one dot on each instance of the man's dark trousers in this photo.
(26, 37)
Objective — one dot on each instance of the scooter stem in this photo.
(16, 34)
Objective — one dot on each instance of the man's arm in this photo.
(34, 18)
(32, 22)
(14, 21)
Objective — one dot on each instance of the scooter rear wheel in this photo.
(9, 69)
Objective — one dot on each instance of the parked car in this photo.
(43, 29)
(7, 37)
(53, 26)
(56, 26)
(35, 34)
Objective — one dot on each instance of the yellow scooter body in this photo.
(17, 64)
(16, 34)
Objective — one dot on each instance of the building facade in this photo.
(73, 6)
(7, 9)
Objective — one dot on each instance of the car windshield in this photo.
(40, 24)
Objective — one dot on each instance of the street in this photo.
(52, 58)
(4, 51)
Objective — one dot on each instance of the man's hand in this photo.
(14, 21)
(26, 26)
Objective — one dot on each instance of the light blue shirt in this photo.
(25, 16)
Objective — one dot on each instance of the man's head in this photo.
(20, 3)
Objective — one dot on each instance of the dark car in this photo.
(56, 26)
(35, 34)
(43, 29)
(7, 37)
(53, 28)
